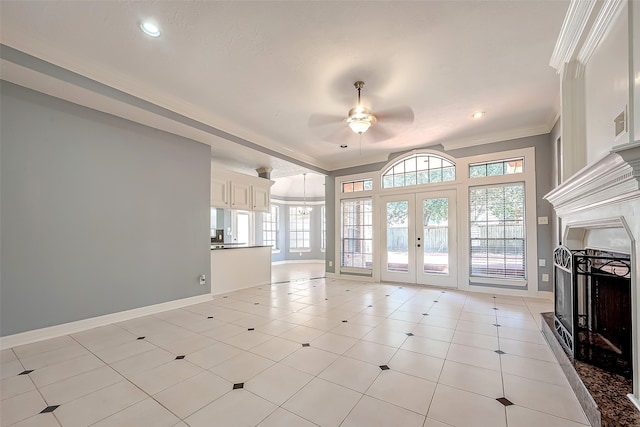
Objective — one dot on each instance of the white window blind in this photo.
(497, 231)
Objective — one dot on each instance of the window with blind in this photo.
(270, 228)
(497, 231)
(299, 229)
(356, 233)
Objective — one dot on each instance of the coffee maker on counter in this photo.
(218, 237)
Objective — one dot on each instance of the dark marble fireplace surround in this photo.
(603, 395)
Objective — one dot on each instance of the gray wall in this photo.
(98, 214)
(544, 172)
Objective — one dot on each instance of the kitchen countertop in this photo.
(235, 246)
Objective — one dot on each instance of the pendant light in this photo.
(304, 210)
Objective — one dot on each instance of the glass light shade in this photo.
(359, 126)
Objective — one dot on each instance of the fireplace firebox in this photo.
(592, 302)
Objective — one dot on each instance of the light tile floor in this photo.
(301, 352)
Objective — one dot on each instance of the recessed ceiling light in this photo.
(150, 29)
(478, 114)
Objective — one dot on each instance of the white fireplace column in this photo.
(605, 197)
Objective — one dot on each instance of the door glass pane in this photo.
(398, 236)
(435, 221)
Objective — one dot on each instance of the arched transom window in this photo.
(419, 169)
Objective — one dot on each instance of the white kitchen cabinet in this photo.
(261, 196)
(232, 190)
(240, 195)
(220, 192)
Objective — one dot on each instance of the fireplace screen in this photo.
(593, 307)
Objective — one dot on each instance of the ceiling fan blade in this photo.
(403, 114)
(340, 136)
(317, 120)
(378, 133)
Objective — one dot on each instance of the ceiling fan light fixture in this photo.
(478, 114)
(360, 120)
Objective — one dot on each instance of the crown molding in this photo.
(571, 32)
(609, 10)
(496, 137)
(613, 179)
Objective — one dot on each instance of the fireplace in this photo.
(592, 304)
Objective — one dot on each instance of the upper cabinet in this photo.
(220, 192)
(261, 196)
(232, 190)
(240, 195)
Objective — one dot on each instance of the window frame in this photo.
(489, 226)
(429, 157)
(341, 242)
(275, 222)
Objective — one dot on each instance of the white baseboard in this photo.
(548, 295)
(94, 322)
(299, 261)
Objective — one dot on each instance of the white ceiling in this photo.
(253, 74)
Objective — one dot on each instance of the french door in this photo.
(419, 238)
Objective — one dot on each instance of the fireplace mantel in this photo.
(612, 180)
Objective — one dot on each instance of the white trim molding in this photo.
(571, 32)
(613, 179)
(29, 337)
(609, 10)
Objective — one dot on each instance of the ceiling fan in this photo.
(382, 125)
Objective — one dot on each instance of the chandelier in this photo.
(305, 211)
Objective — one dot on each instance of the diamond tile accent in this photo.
(256, 303)
(369, 306)
(237, 386)
(495, 308)
(140, 338)
(504, 401)
(180, 357)
(497, 325)
(251, 329)
(49, 409)
(344, 321)
(384, 367)
(500, 352)
(425, 314)
(209, 317)
(409, 334)
(306, 344)
(27, 372)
